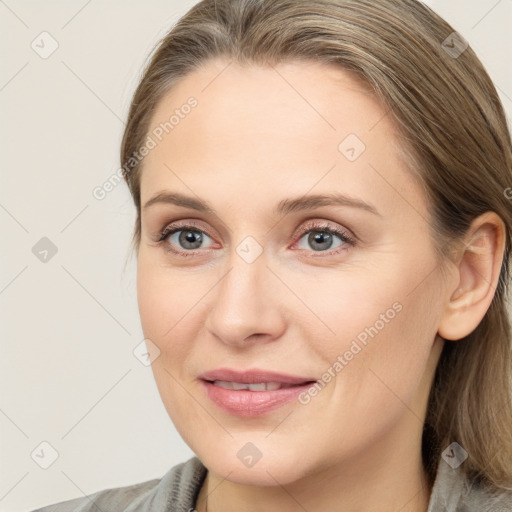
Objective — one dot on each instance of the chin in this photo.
(269, 466)
(269, 473)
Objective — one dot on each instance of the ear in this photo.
(477, 274)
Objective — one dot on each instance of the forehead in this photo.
(309, 99)
(290, 126)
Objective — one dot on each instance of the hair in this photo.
(454, 135)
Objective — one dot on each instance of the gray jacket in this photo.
(177, 491)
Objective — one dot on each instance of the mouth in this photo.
(254, 392)
(256, 376)
(257, 386)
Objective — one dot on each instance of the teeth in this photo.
(260, 386)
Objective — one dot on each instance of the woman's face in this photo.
(313, 258)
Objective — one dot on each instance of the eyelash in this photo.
(314, 226)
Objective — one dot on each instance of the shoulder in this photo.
(176, 490)
(453, 492)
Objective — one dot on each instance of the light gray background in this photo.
(69, 326)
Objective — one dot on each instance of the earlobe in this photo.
(478, 272)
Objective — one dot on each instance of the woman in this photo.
(370, 374)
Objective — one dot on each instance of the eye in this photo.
(183, 239)
(321, 237)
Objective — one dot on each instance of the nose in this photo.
(245, 308)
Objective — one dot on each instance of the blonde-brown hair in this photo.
(454, 135)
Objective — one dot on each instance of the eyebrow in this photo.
(283, 207)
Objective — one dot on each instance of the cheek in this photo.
(379, 381)
(165, 321)
(383, 325)
(385, 378)
(389, 301)
(168, 300)
(169, 319)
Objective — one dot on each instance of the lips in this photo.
(253, 392)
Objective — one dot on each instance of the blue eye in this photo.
(325, 238)
(183, 239)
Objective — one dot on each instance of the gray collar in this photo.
(453, 492)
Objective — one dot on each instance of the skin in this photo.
(259, 136)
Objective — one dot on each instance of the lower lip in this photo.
(252, 403)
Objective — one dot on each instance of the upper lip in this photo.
(253, 376)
